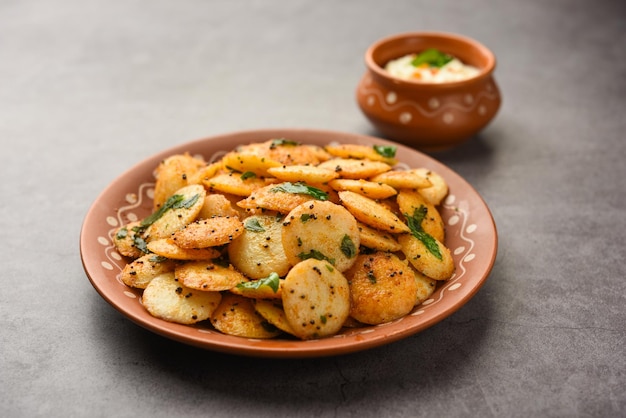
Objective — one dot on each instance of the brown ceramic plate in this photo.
(471, 236)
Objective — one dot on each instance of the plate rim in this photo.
(259, 348)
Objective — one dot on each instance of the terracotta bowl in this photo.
(425, 115)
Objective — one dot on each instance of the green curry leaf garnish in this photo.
(300, 188)
(347, 246)
(176, 201)
(415, 225)
(433, 57)
(318, 255)
(253, 225)
(272, 281)
(387, 151)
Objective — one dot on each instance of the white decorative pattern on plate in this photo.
(137, 202)
(140, 201)
(471, 237)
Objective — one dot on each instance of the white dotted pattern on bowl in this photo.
(434, 109)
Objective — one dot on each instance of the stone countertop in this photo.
(90, 88)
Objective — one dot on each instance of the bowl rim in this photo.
(374, 67)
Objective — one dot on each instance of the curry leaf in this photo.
(348, 247)
(300, 188)
(247, 175)
(272, 281)
(433, 57)
(318, 255)
(282, 141)
(253, 225)
(386, 151)
(415, 225)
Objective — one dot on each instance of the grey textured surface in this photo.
(91, 87)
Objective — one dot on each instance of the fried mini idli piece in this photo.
(372, 213)
(366, 188)
(316, 299)
(350, 168)
(357, 151)
(425, 287)
(234, 200)
(400, 179)
(286, 151)
(410, 201)
(169, 300)
(217, 204)
(331, 193)
(382, 288)
(376, 239)
(289, 152)
(422, 258)
(274, 198)
(211, 232)
(273, 313)
(191, 200)
(172, 174)
(322, 230)
(249, 163)
(141, 271)
(305, 173)
(391, 204)
(438, 191)
(208, 276)
(259, 291)
(233, 183)
(236, 315)
(205, 173)
(124, 240)
(167, 248)
(259, 251)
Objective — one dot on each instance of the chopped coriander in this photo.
(141, 244)
(348, 247)
(415, 225)
(176, 201)
(247, 175)
(433, 57)
(169, 204)
(387, 151)
(186, 204)
(157, 259)
(253, 225)
(316, 255)
(272, 281)
(415, 221)
(300, 188)
(122, 233)
(282, 141)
